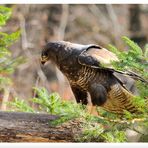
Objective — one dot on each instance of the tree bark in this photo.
(34, 127)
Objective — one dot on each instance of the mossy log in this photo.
(35, 127)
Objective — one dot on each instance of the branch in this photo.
(5, 98)
(99, 15)
(25, 46)
(60, 36)
(34, 127)
(63, 22)
(115, 22)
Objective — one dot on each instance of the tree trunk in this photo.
(135, 27)
(33, 127)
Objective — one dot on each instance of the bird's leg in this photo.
(81, 96)
(93, 110)
(98, 96)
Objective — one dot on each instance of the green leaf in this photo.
(8, 39)
(20, 105)
(4, 80)
(5, 14)
(4, 52)
(113, 49)
(134, 46)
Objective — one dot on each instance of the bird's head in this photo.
(58, 50)
(51, 51)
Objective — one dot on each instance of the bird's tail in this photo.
(133, 75)
(119, 99)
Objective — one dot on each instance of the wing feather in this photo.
(101, 58)
(102, 55)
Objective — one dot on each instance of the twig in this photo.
(134, 129)
(113, 17)
(114, 20)
(123, 121)
(25, 46)
(63, 22)
(103, 23)
(5, 98)
(99, 15)
(23, 34)
(36, 84)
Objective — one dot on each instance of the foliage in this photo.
(20, 105)
(5, 14)
(54, 105)
(135, 60)
(93, 128)
(7, 63)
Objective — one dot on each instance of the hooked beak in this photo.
(44, 59)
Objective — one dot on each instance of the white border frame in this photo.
(72, 145)
(73, 1)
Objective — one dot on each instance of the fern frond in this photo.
(134, 46)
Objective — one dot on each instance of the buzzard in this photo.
(84, 67)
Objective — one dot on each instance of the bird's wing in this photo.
(97, 57)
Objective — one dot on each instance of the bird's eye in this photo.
(44, 54)
(44, 57)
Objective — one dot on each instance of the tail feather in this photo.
(119, 100)
(133, 75)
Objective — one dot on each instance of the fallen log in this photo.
(34, 127)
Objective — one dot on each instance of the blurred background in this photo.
(101, 24)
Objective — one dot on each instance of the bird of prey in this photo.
(83, 65)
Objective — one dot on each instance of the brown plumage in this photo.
(82, 65)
